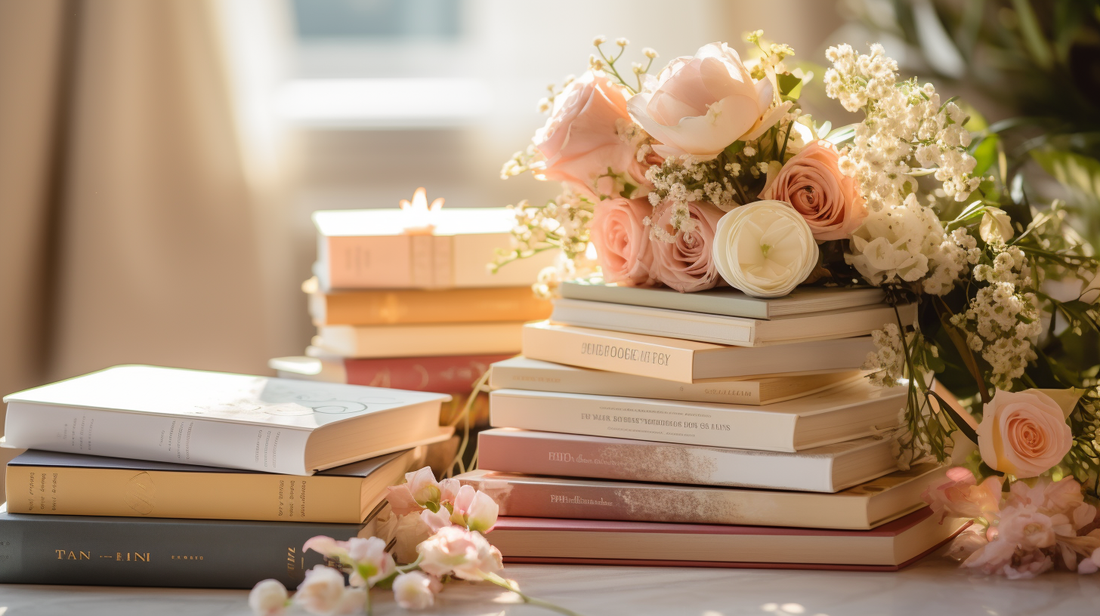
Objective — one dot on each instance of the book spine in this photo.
(63, 490)
(577, 348)
(671, 324)
(615, 384)
(160, 438)
(384, 341)
(677, 504)
(98, 551)
(414, 307)
(445, 374)
(385, 262)
(630, 460)
(641, 419)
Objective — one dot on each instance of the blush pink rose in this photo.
(686, 264)
(812, 183)
(623, 247)
(699, 105)
(583, 144)
(1023, 433)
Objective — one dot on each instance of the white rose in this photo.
(765, 249)
(896, 243)
(699, 105)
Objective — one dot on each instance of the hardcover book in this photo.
(424, 340)
(369, 249)
(532, 374)
(444, 374)
(406, 307)
(736, 331)
(110, 551)
(862, 507)
(841, 414)
(889, 547)
(42, 482)
(687, 361)
(218, 419)
(823, 469)
(724, 300)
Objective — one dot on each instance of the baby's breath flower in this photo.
(622, 42)
(599, 40)
(649, 53)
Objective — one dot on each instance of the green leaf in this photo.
(734, 148)
(823, 129)
(1032, 33)
(841, 134)
(789, 86)
(1075, 171)
(957, 419)
(985, 152)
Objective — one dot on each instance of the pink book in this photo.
(889, 547)
(437, 374)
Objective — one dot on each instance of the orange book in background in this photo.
(396, 307)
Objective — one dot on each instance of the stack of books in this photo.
(417, 311)
(645, 426)
(146, 476)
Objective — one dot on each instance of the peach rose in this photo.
(686, 264)
(812, 182)
(583, 143)
(1024, 433)
(699, 105)
(622, 242)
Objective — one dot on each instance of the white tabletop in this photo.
(932, 586)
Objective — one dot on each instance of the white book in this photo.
(532, 374)
(687, 361)
(724, 300)
(421, 340)
(735, 331)
(838, 415)
(822, 469)
(218, 419)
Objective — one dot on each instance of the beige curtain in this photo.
(140, 213)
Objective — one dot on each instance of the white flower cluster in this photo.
(888, 360)
(561, 223)
(1002, 320)
(905, 127)
(906, 243)
(681, 180)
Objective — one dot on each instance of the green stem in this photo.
(413, 565)
(368, 607)
(505, 584)
(465, 418)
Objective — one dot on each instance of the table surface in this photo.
(932, 586)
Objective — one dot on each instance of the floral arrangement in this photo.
(434, 527)
(709, 173)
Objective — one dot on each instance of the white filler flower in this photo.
(765, 248)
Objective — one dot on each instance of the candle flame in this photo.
(418, 214)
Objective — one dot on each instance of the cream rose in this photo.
(1023, 433)
(812, 183)
(765, 249)
(687, 263)
(584, 144)
(622, 241)
(699, 105)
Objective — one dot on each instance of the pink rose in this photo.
(1023, 434)
(1026, 527)
(686, 263)
(584, 145)
(622, 241)
(699, 105)
(812, 183)
(960, 496)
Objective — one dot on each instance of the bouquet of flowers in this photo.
(708, 173)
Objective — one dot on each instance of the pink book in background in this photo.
(889, 547)
(443, 374)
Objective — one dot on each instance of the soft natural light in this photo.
(383, 103)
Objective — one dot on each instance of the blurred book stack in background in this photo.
(404, 298)
(646, 426)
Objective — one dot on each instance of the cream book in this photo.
(735, 331)
(822, 469)
(687, 361)
(724, 300)
(43, 482)
(859, 508)
(369, 249)
(889, 547)
(425, 340)
(842, 414)
(532, 374)
(218, 419)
